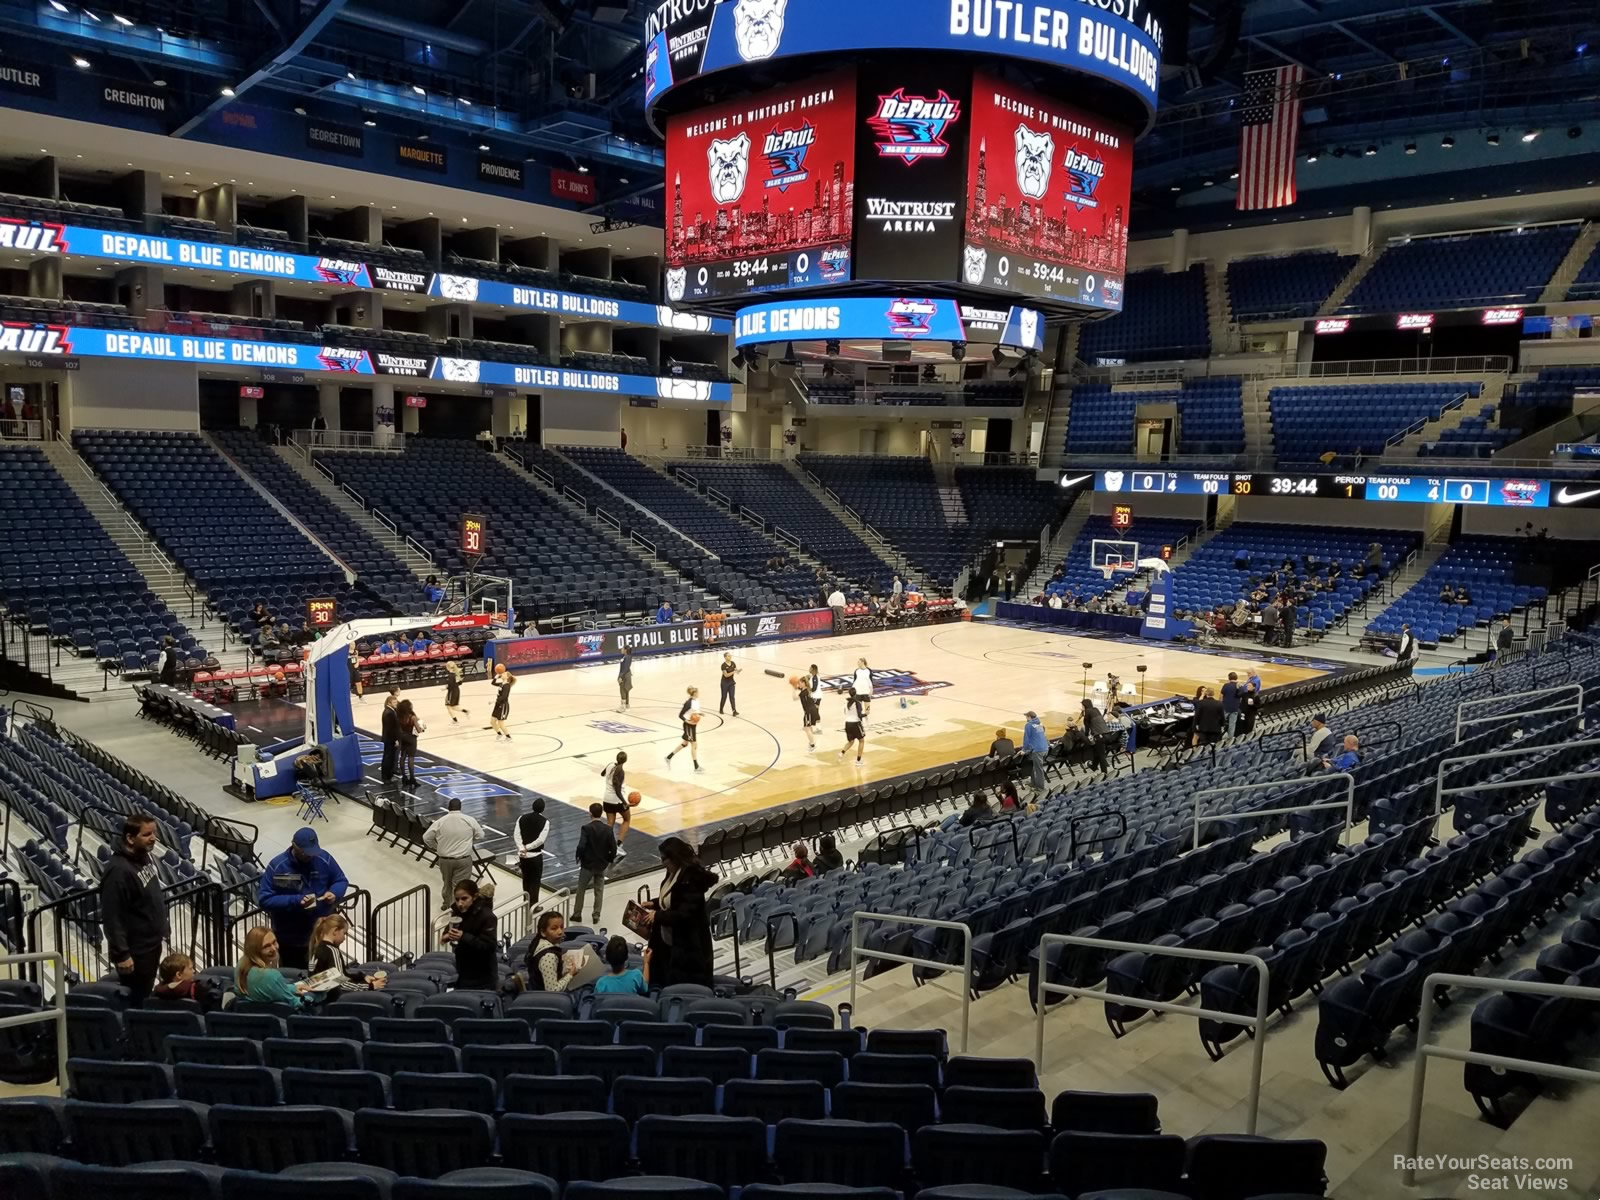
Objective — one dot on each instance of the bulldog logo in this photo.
(458, 287)
(459, 370)
(730, 166)
(669, 318)
(677, 283)
(683, 389)
(1035, 152)
(1113, 481)
(975, 264)
(758, 28)
(1030, 327)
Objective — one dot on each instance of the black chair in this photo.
(646, 1187)
(32, 1125)
(479, 1183)
(118, 1082)
(346, 1089)
(848, 1153)
(1105, 1112)
(560, 1034)
(147, 1031)
(610, 1063)
(148, 1181)
(546, 1095)
(820, 1065)
(1091, 1162)
(716, 1063)
(273, 1139)
(424, 1057)
(312, 1054)
(218, 1051)
(412, 1090)
(774, 1100)
(1232, 1167)
(150, 1131)
(634, 1096)
(873, 1067)
(727, 1151)
(967, 1071)
(908, 1105)
(311, 1181)
(567, 1146)
(408, 1030)
(1003, 1108)
(949, 1154)
(204, 1083)
(490, 1031)
(427, 1144)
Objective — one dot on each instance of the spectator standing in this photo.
(836, 603)
(625, 677)
(390, 735)
(1249, 707)
(1232, 693)
(680, 934)
(1407, 650)
(133, 908)
(597, 850)
(167, 662)
(257, 978)
(1011, 581)
(471, 933)
(1503, 638)
(1208, 719)
(409, 726)
(301, 884)
(533, 830)
(1288, 616)
(1096, 734)
(1269, 622)
(897, 591)
(451, 839)
(1036, 746)
(623, 980)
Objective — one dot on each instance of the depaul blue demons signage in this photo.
(904, 318)
(18, 337)
(1115, 40)
(47, 237)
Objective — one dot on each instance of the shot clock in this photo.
(322, 612)
(474, 535)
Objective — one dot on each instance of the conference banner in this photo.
(48, 237)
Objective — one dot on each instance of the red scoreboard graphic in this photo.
(762, 190)
(1047, 197)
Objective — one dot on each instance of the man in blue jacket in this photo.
(1035, 745)
(303, 883)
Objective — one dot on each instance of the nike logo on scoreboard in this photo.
(1567, 496)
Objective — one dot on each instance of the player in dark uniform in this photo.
(615, 800)
(625, 677)
(503, 682)
(729, 669)
(855, 727)
(810, 710)
(689, 714)
(452, 690)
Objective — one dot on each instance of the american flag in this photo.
(1269, 137)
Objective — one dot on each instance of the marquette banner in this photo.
(47, 237)
(18, 337)
(561, 649)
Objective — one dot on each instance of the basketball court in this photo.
(940, 692)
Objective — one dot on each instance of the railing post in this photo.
(858, 952)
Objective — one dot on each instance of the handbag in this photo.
(638, 919)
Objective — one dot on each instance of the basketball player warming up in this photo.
(855, 726)
(689, 714)
(615, 801)
(810, 713)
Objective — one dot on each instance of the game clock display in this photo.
(474, 535)
(322, 612)
(1405, 489)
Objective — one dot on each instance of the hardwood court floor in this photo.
(959, 683)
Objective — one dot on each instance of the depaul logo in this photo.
(340, 358)
(24, 337)
(342, 271)
(590, 644)
(786, 151)
(835, 263)
(913, 127)
(1085, 172)
(1113, 290)
(911, 318)
(892, 682)
(36, 237)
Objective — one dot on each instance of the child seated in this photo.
(622, 981)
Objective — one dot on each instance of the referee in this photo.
(729, 670)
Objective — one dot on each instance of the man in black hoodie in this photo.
(133, 908)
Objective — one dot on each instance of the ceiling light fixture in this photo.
(122, 20)
(299, 110)
(81, 63)
(92, 17)
(228, 91)
(583, 168)
(483, 146)
(61, 8)
(1493, 139)
(1371, 151)
(1411, 147)
(1531, 135)
(419, 89)
(1447, 142)
(1312, 157)
(370, 123)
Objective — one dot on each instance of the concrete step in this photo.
(419, 563)
(878, 545)
(1347, 285)
(1561, 282)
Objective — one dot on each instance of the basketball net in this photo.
(1110, 567)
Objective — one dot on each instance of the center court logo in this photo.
(913, 127)
(895, 681)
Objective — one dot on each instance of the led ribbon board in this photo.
(17, 337)
(48, 237)
(692, 38)
(903, 318)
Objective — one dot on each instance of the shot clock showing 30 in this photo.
(474, 535)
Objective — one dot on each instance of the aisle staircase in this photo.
(1056, 552)
(1053, 443)
(1357, 273)
(953, 506)
(875, 541)
(417, 559)
(1225, 334)
(1258, 438)
(1556, 290)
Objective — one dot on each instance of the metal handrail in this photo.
(57, 1012)
(1427, 1050)
(1096, 815)
(1008, 823)
(1575, 709)
(1348, 803)
(858, 952)
(1293, 732)
(1256, 1024)
(1506, 785)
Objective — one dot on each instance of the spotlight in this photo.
(1447, 142)
(829, 370)
(831, 346)
(583, 168)
(1493, 139)
(1177, 187)
(1411, 147)
(998, 356)
(929, 374)
(122, 20)
(788, 359)
(228, 91)
(958, 351)
(419, 89)
(61, 8)
(483, 147)
(81, 63)
(1312, 157)
(1531, 135)
(1371, 151)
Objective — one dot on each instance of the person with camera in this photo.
(471, 932)
(301, 884)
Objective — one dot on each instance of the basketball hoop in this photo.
(1111, 566)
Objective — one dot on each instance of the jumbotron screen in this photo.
(1047, 197)
(761, 191)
